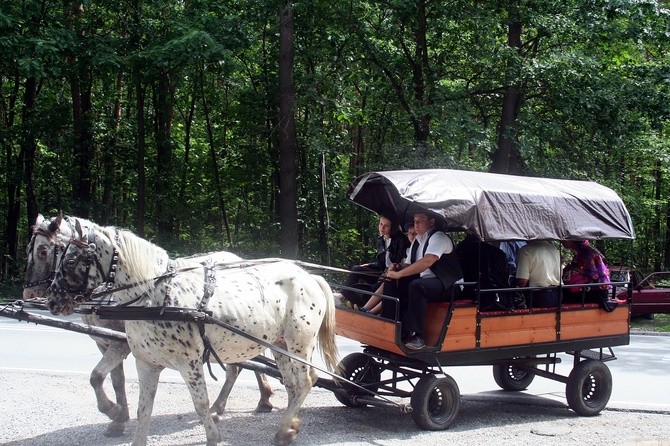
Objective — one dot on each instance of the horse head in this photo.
(81, 268)
(44, 251)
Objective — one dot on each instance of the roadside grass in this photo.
(660, 323)
(9, 292)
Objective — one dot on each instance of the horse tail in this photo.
(327, 343)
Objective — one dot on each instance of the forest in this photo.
(238, 125)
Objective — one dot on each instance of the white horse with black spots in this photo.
(44, 251)
(276, 302)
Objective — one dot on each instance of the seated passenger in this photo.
(587, 266)
(374, 304)
(486, 264)
(539, 265)
(391, 248)
(433, 270)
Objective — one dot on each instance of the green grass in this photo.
(9, 292)
(660, 323)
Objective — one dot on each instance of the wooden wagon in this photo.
(521, 343)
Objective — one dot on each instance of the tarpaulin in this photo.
(496, 206)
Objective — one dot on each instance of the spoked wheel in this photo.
(435, 402)
(512, 377)
(362, 370)
(589, 387)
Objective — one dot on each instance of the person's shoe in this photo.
(364, 310)
(416, 343)
(348, 304)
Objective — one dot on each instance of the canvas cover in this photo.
(495, 206)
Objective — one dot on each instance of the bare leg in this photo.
(373, 305)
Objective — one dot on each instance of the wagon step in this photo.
(596, 355)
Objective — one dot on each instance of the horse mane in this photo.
(138, 255)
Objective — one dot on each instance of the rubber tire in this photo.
(360, 369)
(435, 402)
(589, 387)
(512, 378)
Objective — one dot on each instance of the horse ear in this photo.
(77, 228)
(55, 224)
(39, 220)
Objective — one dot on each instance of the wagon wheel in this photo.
(512, 377)
(362, 370)
(435, 402)
(589, 387)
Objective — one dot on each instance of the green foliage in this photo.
(594, 104)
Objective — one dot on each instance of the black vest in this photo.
(448, 266)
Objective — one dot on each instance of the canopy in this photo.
(495, 206)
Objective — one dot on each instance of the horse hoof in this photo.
(286, 438)
(114, 430)
(295, 425)
(264, 408)
(216, 417)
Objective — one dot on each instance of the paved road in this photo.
(640, 374)
(45, 400)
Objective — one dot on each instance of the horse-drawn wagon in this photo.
(180, 305)
(519, 343)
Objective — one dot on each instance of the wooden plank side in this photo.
(369, 330)
(594, 323)
(518, 329)
(462, 327)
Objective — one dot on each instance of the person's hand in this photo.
(393, 275)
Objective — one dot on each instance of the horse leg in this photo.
(119, 385)
(148, 376)
(113, 354)
(193, 376)
(264, 404)
(232, 372)
(298, 380)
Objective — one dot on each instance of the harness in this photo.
(108, 288)
(59, 247)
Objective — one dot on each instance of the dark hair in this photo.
(395, 225)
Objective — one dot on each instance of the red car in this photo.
(651, 293)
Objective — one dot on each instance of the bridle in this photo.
(89, 258)
(59, 250)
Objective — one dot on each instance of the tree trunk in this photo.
(80, 90)
(16, 166)
(140, 130)
(164, 163)
(288, 212)
(507, 158)
(109, 155)
(658, 212)
(420, 78)
(215, 163)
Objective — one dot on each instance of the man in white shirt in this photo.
(539, 265)
(433, 269)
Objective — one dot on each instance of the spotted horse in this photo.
(276, 302)
(44, 251)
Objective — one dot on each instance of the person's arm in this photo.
(415, 268)
(521, 282)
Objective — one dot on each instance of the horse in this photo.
(44, 251)
(271, 302)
